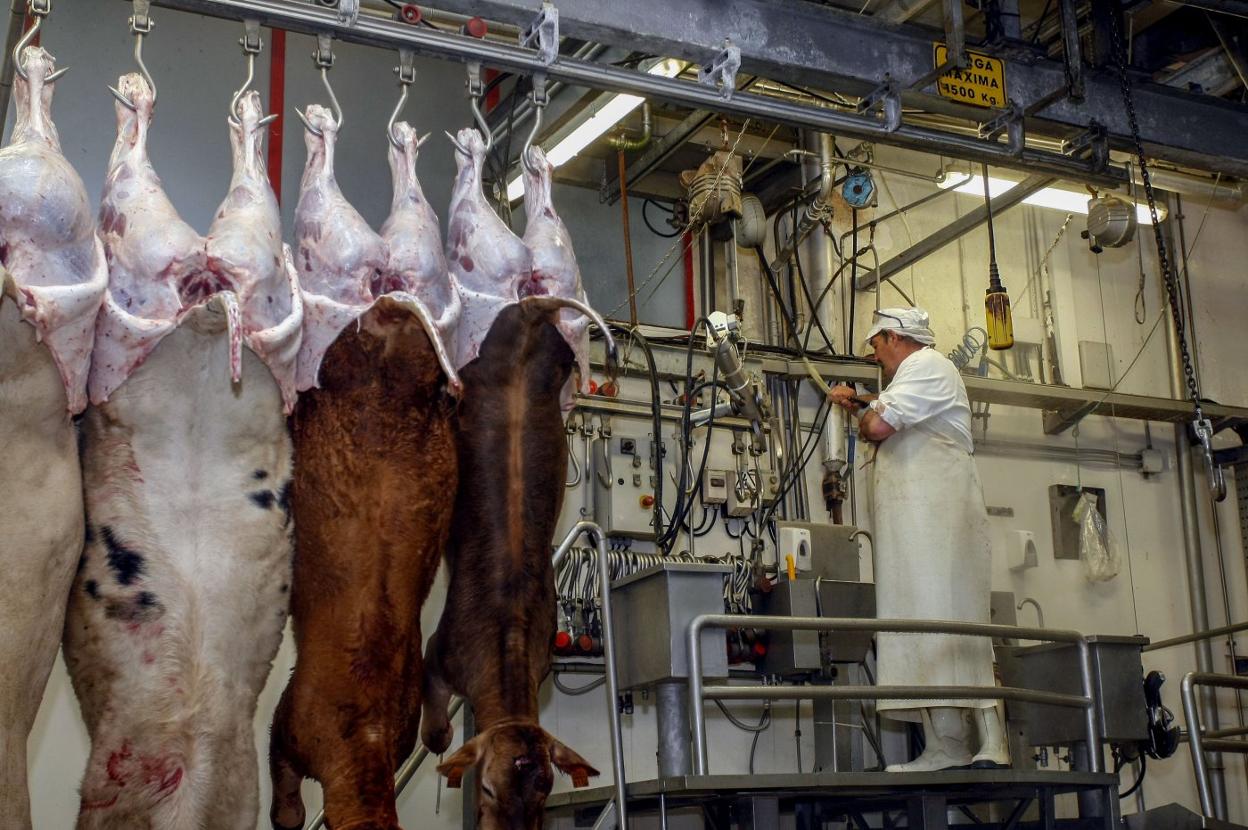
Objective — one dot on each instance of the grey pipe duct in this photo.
(820, 207)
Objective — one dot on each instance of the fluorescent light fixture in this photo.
(602, 115)
(1050, 197)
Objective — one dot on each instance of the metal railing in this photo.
(699, 693)
(1197, 637)
(1198, 742)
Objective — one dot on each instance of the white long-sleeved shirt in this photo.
(927, 389)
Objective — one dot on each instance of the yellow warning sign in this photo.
(981, 83)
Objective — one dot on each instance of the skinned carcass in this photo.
(375, 463)
(181, 595)
(513, 463)
(50, 292)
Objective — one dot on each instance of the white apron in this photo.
(933, 561)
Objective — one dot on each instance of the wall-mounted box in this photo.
(651, 611)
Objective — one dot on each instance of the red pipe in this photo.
(687, 242)
(277, 102)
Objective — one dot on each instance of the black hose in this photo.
(1138, 781)
(645, 217)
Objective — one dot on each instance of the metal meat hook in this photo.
(140, 26)
(406, 70)
(38, 9)
(475, 90)
(323, 57)
(540, 100)
(252, 46)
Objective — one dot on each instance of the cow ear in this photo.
(464, 758)
(571, 764)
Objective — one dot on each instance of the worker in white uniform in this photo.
(932, 551)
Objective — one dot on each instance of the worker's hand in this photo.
(843, 396)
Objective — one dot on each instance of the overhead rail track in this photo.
(838, 50)
(373, 30)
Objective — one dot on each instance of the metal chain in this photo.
(1167, 272)
(1201, 426)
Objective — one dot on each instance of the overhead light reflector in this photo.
(1050, 197)
(593, 123)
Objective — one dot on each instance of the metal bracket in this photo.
(140, 20)
(406, 70)
(1095, 139)
(1010, 122)
(543, 34)
(250, 41)
(40, 8)
(1203, 428)
(323, 57)
(475, 86)
(348, 12)
(539, 95)
(721, 72)
(886, 99)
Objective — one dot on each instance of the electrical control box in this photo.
(625, 483)
(715, 487)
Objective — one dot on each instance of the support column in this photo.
(675, 757)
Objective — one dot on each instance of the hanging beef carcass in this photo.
(181, 595)
(513, 462)
(375, 464)
(50, 292)
(555, 272)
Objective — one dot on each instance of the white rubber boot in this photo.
(993, 751)
(944, 737)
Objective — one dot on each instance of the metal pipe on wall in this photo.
(1193, 560)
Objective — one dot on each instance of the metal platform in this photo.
(923, 797)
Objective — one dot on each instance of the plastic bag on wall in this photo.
(1102, 558)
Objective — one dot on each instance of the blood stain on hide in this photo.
(127, 564)
(264, 499)
(466, 263)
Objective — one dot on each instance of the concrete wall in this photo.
(196, 63)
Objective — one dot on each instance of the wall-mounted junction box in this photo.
(624, 486)
(715, 487)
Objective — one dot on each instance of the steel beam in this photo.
(953, 231)
(837, 50)
(1211, 73)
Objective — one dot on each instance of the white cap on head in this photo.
(907, 322)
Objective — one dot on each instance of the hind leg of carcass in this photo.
(287, 810)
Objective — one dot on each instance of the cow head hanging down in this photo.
(514, 765)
